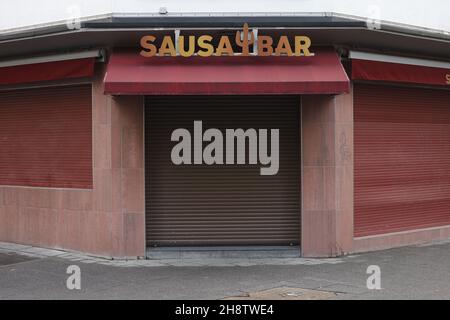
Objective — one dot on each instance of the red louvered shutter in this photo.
(46, 137)
(402, 158)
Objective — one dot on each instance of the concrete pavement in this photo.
(419, 272)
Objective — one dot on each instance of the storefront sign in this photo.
(229, 148)
(447, 77)
(262, 45)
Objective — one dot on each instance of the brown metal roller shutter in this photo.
(46, 137)
(221, 204)
(402, 158)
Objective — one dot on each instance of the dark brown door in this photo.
(402, 158)
(200, 205)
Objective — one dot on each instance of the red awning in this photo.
(46, 71)
(396, 72)
(129, 73)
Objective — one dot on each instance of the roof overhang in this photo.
(120, 30)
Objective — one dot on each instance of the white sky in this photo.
(432, 13)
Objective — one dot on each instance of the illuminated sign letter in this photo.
(146, 43)
(167, 47)
(191, 48)
(302, 44)
(283, 47)
(204, 42)
(265, 46)
(224, 47)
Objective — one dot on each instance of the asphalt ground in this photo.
(418, 272)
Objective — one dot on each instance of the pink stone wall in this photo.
(398, 239)
(107, 220)
(127, 161)
(327, 184)
(327, 175)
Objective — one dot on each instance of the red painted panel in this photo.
(402, 158)
(395, 72)
(130, 73)
(46, 137)
(47, 71)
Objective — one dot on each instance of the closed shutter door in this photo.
(46, 137)
(195, 205)
(402, 158)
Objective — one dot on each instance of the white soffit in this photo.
(397, 59)
(51, 58)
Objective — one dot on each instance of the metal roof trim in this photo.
(225, 19)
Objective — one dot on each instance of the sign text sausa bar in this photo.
(262, 45)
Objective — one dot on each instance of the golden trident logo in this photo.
(244, 39)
